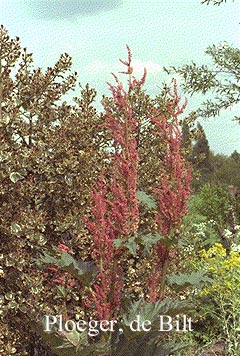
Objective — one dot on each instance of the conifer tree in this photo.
(200, 156)
(187, 138)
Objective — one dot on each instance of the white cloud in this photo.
(151, 67)
(96, 67)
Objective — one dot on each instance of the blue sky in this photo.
(160, 33)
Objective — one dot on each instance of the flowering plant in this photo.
(224, 267)
(116, 220)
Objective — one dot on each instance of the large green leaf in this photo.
(85, 271)
(130, 244)
(151, 312)
(147, 343)
(149, 240)
(72, 343)
(181, 281)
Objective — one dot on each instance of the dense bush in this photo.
(48, 162)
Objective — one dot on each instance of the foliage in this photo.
(147, 200)
(213, 202)
(46, 172)
(148, 343)
(114, 222)
(47, 176)
(82, 270)
(225, 170)
(124, 339)
(200, 157)
(182, 281)
(210, 258)
(186, 138)
(221, 80)
(214, 2)
(115, 206)
(224, 292)
(218, 263)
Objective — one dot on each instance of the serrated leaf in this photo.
(73, 339)
(15, 177)
(48, 260)
(82, 270)
(149, 240)
(146, 199)
(118, 243)
(70, 343)
(63, 343)
(85, 271)
(182, 281)
(151, 311)
(130, 244)
(135, 343)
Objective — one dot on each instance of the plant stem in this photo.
(164, 274)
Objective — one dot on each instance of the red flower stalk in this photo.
(115, 210)
(63, 248)
(62, 278)
(174, 189)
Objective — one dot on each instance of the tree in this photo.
(186, 137)
(226, 170)
(214, 203)
(214, 2)
(236, 156)
(200, 157)
(221, 80)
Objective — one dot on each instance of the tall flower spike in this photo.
(115, 209)
(128, 63)
(174, 188)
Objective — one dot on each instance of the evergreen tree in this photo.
(186, 139)
(200, 157)
(236, 156)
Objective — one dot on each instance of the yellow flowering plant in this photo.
(224, 267)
